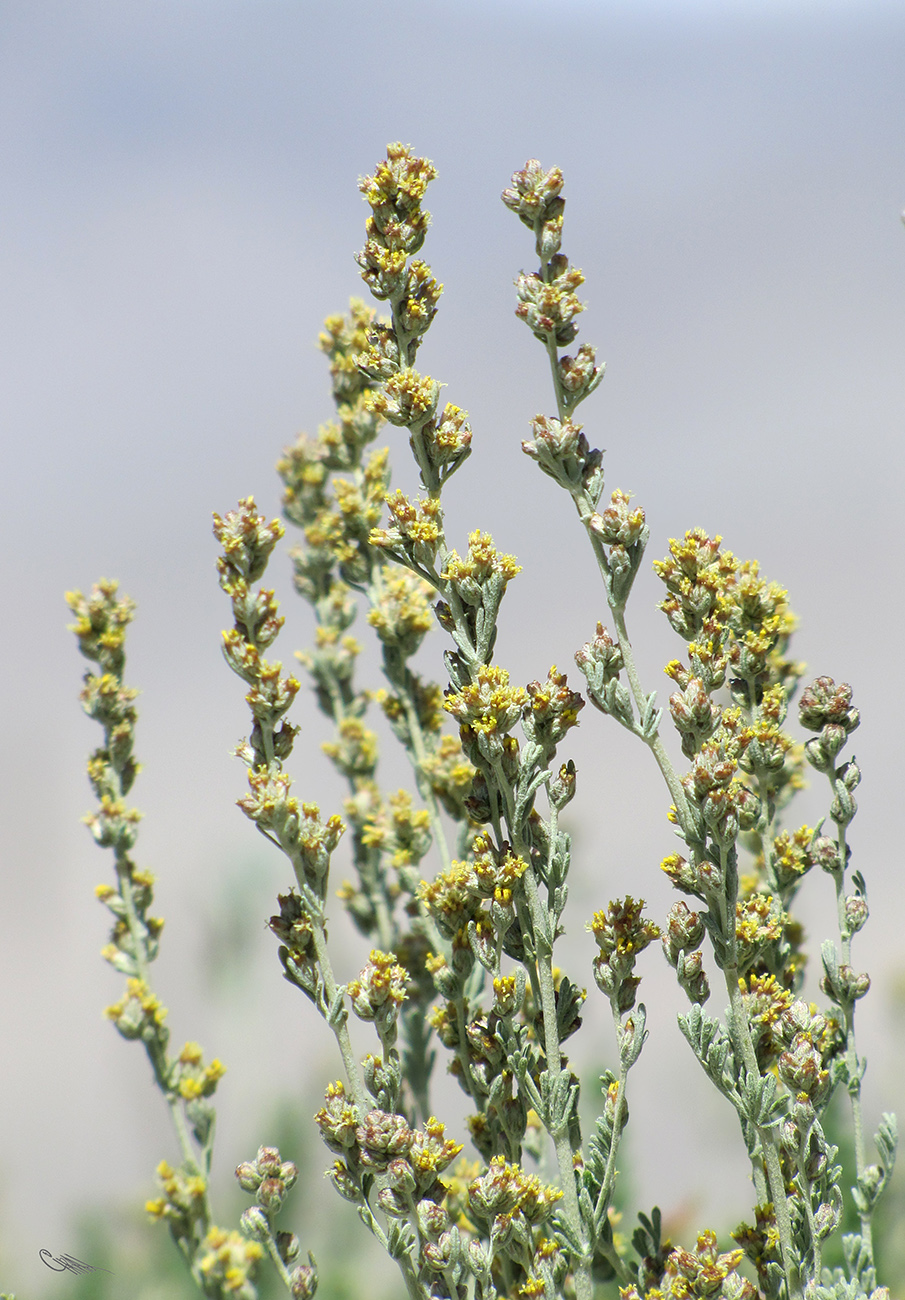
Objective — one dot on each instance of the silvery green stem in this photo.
(376, 895)
(851, 1051)
(563, 1147)
(339, 1023)
(282, 1270)
(655, 744)
(746, 1056)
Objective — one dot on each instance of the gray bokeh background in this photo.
(179, 211)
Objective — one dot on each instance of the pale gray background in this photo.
(179, 211)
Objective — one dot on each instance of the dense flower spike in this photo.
(461, 960)
(744, 769)
(186, 1082)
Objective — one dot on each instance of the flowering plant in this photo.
(461, 953)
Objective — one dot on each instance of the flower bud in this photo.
(801, 1071)
(505, 992)
(817, 756)
(684, 930)
(825, 854)
(815, 1164)
(345, 1182)
(789, 1138)
(392, 1203)
(248, 1176)
(254, 1224)
(478, 1259)
(824, 703)
(400, 1176)
(826, 1220)
(843, 806)
(549, 240)
(692, 977)
(303, 1280)
(562, 787)
(270, 1194)
(856, 912)
(288, 1246)
(848, 985)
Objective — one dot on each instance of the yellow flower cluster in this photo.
(488, 705)
(230, 1260)
(401, 614)
(195, 1079)
(139, 1011)
(481, 564)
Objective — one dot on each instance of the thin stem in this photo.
(508, 798)
(585, 510)
(553, 354)
(278, 1263)
(845, 933)
(563, 1147)
(616, 1262)
(655, 744)
(746, 1056)
(816, 1248)
(267, 737)
(339, 1023)
(741, 1034)
(155, 1050)
(415, 1290)
(463, 1057)
(851, 1050)
(550, 341)
(138, 933)
(610, 1171)
(424, 787)
(364, 862)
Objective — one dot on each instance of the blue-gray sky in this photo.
(179, 210)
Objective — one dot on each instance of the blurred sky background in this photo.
(179, 211)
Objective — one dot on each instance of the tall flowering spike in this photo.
(477, 937)
(248, 540)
